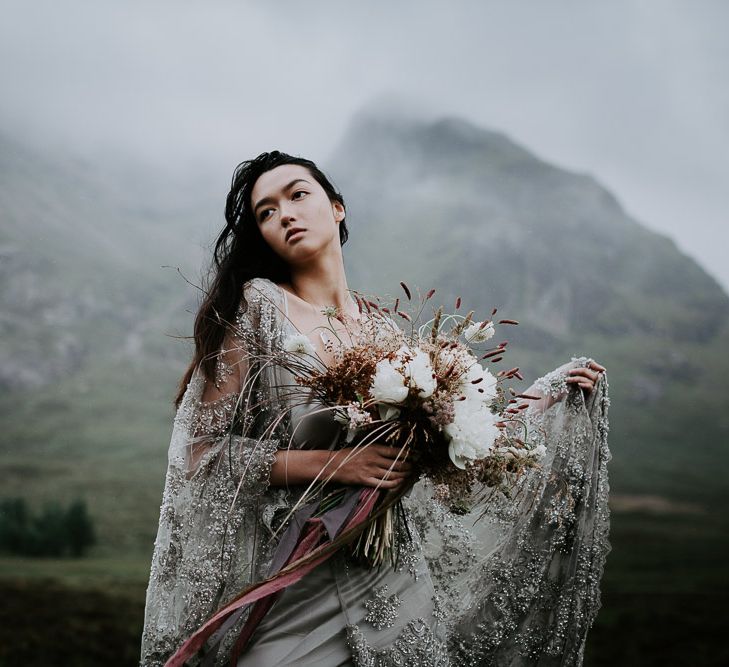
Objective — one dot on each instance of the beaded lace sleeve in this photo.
(518, 577)
(219, 464)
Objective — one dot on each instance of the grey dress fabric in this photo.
(515, 581)
(342, 606)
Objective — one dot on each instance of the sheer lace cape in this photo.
(516, 579)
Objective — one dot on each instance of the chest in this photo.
(326, 334)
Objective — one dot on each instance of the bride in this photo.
(517, 586)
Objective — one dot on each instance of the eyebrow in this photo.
(270, 200)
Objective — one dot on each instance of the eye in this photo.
(264, 214)
(299, 192)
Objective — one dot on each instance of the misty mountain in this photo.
(89, 364)
(467, 210)
(81, 251)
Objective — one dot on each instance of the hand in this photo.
(586, 377)
(369, 465)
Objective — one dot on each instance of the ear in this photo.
(339, 211)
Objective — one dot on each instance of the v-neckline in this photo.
(293, 328)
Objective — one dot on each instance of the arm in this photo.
(373, 465)
(553, 387)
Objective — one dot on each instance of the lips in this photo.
(292, 231)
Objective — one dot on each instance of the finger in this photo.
(382, 483)
(390, 452)
(389, 464)
(596, 367)
(383, 468)
(584, 372)
(392, 474)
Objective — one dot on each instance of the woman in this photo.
(516, 587)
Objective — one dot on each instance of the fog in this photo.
(633, 92)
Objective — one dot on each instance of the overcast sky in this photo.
(635, 92)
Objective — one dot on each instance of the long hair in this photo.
(240, 254)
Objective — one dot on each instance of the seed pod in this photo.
(406, 290)
(508, 322)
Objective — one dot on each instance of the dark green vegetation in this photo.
(52, 532)
(89, 369)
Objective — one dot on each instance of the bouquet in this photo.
(423, 389)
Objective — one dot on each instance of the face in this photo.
(294, 213)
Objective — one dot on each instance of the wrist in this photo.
(329, 465)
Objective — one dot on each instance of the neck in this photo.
(323, 282)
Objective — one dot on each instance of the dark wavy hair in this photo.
(240, 254)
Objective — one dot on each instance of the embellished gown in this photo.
(513, 582)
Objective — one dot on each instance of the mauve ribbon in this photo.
(364, 501)
(333, 521)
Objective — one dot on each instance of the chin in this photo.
(303, 251)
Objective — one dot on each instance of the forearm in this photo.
(543, 402)
(299, 466)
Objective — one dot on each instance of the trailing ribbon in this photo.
(303, 546)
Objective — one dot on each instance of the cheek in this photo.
(270, 237)
(325, 217)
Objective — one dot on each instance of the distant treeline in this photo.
(54, 531)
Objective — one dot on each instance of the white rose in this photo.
(388, 385)
(475, 334)
(299, 343)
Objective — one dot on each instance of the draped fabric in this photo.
(515, 581)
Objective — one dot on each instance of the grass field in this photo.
(664, 592)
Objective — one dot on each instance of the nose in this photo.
(287, 215)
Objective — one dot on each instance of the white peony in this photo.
(485, 389)
(420, 372)
(472, 432)
(475, 334)
(299, 343)
(388, 385)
